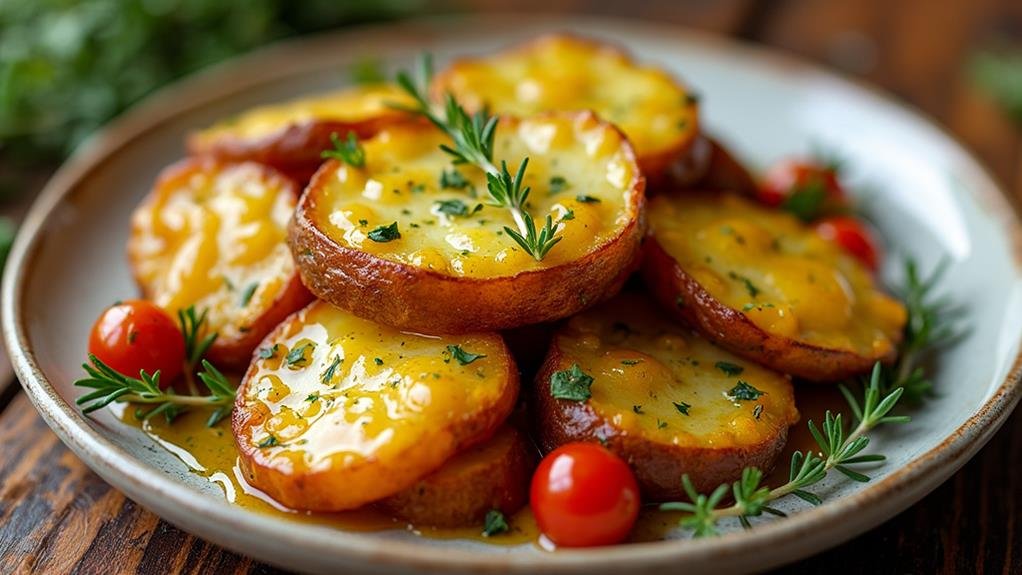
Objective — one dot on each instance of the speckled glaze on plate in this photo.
(931, 200)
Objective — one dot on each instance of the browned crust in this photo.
(294, 149)
(371, 480)
(233, 353)
(732, 330)
(462, 499)
(655, 166)
(710, 166)
(658, 466)
(422, 300)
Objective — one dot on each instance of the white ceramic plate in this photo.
(932, 200)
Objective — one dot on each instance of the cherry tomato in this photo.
(583, 495)
(134, 335)
(806, 188)
(855, 236)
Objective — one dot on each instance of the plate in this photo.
(928, 196)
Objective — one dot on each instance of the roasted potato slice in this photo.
(664, 399)
(493, 475)
(762, 284)
(212, 235)
(411, 241)
(562, 72)
(291, 135)
(337, 411)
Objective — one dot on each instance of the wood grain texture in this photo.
(56, 516)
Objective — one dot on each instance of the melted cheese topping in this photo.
(567, 73)
(643, 367)
(212, 236)
(778, 272)
(581, 173)
(350, 105)
(340, 390)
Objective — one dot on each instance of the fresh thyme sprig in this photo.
(349, 151)
(472, 136)
(193, 324)
(839, 449)
(109, 386)
(929, 326)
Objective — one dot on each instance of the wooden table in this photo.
(57, 516)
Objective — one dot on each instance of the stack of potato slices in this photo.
(369, 307)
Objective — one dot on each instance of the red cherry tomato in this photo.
(855, 236)
(136, 335)
(583, 495)
(815, 185)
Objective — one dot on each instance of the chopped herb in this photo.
(246, 296)
(329, 372)
(363, 223)
(749, 286)
(453, 180)
(757, 411)
(456, 208)
(805, 200)
(270, 441)
(729, 368)
(558, 184)
(384, 234)
(682, 407)
(298, 357)
(495, 523)
(744, 392)
(587, 199)
(377, 361)
(631, 361)
(568, 216)
(637, 409)
(463, 357)
(660, 424)
(269, 352)
(348, 151)
(573, 384)
(312, 397)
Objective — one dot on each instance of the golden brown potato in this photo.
(710, 166)
(336, 411)
(563, 73)
(762, 284)
(664, 399)
(291, 135)
(212, 235)
(493, 475)
(397, 242)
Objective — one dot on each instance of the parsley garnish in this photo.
(384, 234)
(495, 523)
(456, 208)
(297, 357)
(568, 216)
(660, 424)
(749, 286)
(453, 180)
(377, 361)
(587, 199)
(348, 151)
(246, 296)
(744, 392)
(729, 368)
(631, 361)
(463, 357)
(682, 407)
(270, 441)
(558, 184)
(269, 352)
(328, 373)
(573, 384)
(637, 409)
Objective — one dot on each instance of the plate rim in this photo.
(768, 544)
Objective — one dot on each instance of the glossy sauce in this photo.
(580, 173)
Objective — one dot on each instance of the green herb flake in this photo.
(573, 384)
(730, 369)
(363, 223)
(463, 357)
(806, 200)
(349, 151)
(377, 361)
(246, 296)
(453, 180)
(299, 356)
(269, 352)
(384, 234)
(744, 392)
(558, 184)
(495, 523)
(270, 441)
(660, 424)
(312, 397)
(587, 199)
(638, 409)
(682, 407)
(331, 370)
(568, 216)
(631, 361)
